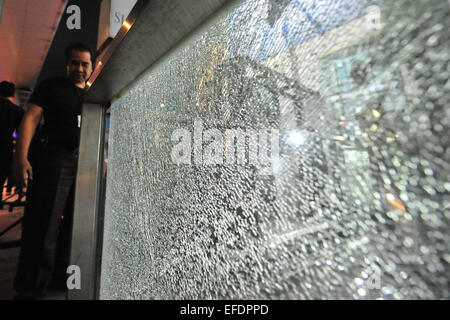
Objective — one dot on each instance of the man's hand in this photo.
(22, 171)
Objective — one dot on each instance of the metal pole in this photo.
(85, 230)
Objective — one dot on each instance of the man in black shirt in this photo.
(10, 116)
(50, 178)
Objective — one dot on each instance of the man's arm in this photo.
(22, 170)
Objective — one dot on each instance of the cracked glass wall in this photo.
(287, 150)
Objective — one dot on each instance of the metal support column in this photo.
(86, 229)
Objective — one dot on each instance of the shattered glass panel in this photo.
(289, 150)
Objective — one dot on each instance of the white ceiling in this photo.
(27, 28)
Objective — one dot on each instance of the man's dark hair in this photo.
(78, 46)
(7, 89)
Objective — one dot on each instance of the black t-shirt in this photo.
(61, 101)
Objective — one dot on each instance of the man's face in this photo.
(79, 67)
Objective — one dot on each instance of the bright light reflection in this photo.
(296, 138)
(127, 25)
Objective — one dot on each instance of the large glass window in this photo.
(289, 150)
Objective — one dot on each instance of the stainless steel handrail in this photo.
(106, 54)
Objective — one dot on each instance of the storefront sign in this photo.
(120, 9)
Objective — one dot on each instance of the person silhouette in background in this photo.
(10, 117)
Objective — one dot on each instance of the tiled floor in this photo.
(9, 256)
